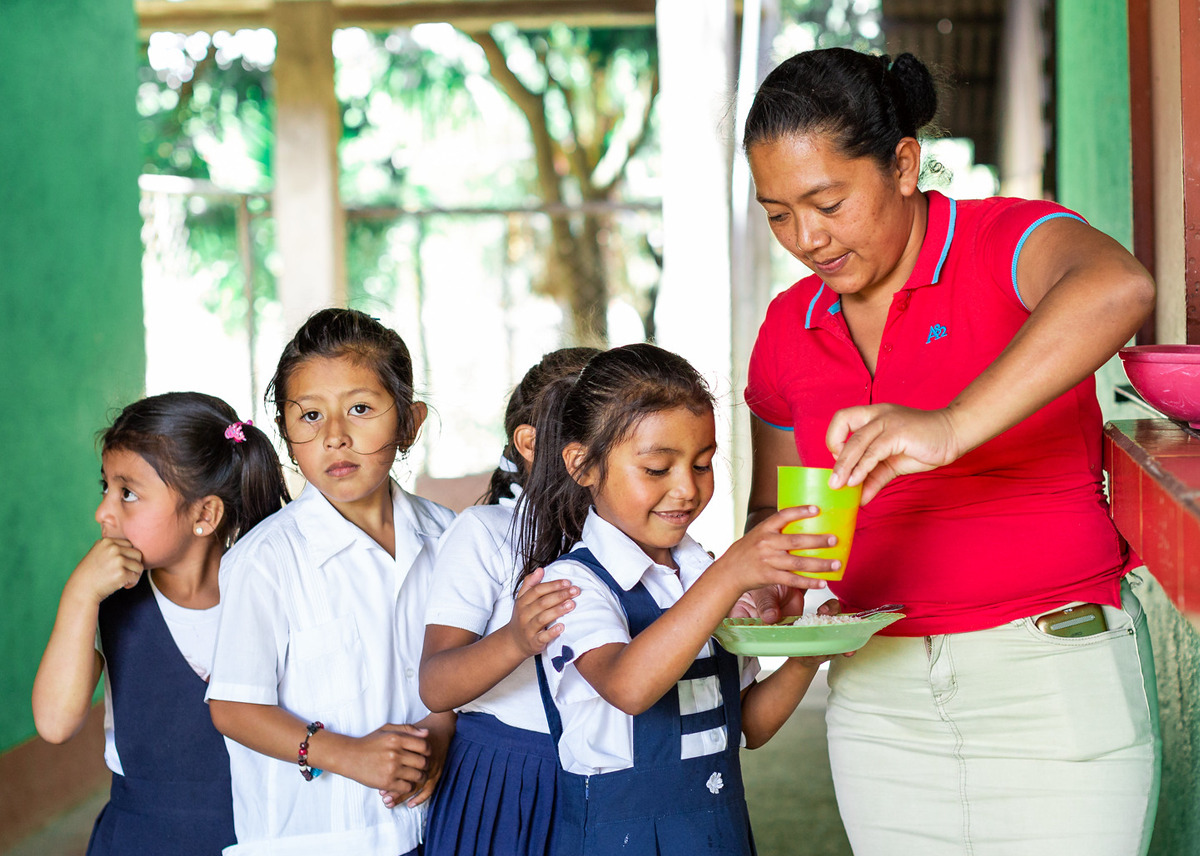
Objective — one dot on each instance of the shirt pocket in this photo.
(328, 664)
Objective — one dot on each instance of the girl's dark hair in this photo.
(554, 365)
(182, 436)
(598, 409)
(865, 103)
(336, 333)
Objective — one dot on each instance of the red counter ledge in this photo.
(1153, 468)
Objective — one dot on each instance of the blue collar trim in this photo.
(937, 272)
(811, 305)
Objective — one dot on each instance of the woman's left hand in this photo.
(874, 443)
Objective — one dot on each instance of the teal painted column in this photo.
(1095, 179)
(1094, 158)
(71, 333)
(1094, 172)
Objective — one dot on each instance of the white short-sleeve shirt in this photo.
(598, 737)
(318, 619)
(474, 578)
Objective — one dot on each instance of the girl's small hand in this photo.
(391, 759)
(537, 607)
(770, 603)
(762, 554)
(110, 564)
(874, 443)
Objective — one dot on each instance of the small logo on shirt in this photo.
(560, 662)
(714, 783)
(937, 331)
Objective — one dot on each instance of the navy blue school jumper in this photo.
(497, 792)
(174, 797)
(663, 805)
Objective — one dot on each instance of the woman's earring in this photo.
(199, 530)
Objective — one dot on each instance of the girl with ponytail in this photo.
(181, 479)
(483, 631)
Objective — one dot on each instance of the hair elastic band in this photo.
(235, 433)
(507, 466)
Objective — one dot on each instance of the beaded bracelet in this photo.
(309, 773)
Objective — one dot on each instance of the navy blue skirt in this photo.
(497, 792)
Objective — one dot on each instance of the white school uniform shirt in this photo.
(319, 620)
(597, 737)
(194, 632)
(474, 577)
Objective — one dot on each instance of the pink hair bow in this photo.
(235, 433)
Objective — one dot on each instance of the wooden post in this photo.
(1022, 130)
(1141, 124)
(695, 56)
(751, 239)
(309, 221)
(1189, 76)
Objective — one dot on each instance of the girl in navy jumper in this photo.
(648, 711)
(481, 636)
(181, 479)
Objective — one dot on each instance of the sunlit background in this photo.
(449, 239)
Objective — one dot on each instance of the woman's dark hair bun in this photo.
(918, 88)
(864, 103)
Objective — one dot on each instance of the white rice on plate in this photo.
(813, 619)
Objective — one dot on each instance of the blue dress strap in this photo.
(174, 795)
(664, 805)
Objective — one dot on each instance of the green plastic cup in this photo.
(837, 513)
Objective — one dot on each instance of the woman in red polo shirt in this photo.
(942, 355)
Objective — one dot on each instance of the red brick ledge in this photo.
(1153, 468)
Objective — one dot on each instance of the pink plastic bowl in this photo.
(1168, 377)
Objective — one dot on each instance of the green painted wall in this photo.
(1094, 179)
(1093, 139)
(71, 334)
(1093, 114)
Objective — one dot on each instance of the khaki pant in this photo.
(1001, 742)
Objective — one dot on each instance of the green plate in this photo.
(751, 638)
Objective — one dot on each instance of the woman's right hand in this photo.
(110, 564)
(875, 443)
(538, 605)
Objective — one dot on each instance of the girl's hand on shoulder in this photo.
(110, 564)
(875, 443)
(538, 605)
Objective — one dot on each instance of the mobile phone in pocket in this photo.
(1086, 619)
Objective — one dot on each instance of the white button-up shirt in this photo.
(319, 620)
(472, 589)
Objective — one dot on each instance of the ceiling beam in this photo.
(212, 15)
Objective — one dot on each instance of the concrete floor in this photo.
(788, 788)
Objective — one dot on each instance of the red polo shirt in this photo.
(1017, 526)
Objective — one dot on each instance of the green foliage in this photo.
(205, 110)
(597, 87)
(811, 24)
